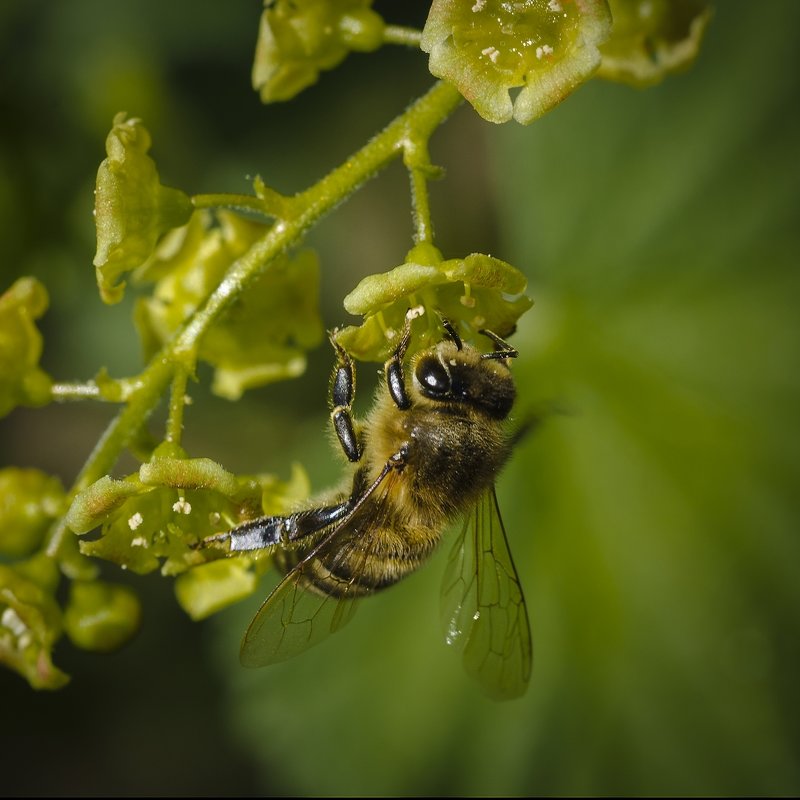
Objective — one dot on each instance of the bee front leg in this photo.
(342, 391)
(393, 369)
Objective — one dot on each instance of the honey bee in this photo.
(426, 454)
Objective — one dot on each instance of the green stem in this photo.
(177, 402)
(421, 210)
(416, 124)
(75, 391)
(399, 34)
(111, 391)
(116, 437)
(240, 202)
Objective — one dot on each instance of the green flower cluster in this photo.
(154, 518)
(474, 293)
(97, 616)
(298, 39)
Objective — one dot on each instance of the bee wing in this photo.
(483, 606)
(295, 617)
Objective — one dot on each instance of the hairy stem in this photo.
(399, 34)
(177, 402)
(117, 390)
(75, 391)
(239, 202)
(423, 230)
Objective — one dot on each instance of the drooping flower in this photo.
(473, 293)
(653, 38)
(298, 39)
(488, 48)
(132, 208)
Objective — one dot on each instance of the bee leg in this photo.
(342, 391)
(265, 532)
(393, 369)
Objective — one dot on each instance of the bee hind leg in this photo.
(265, 532)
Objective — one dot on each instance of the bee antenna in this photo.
(451, 332)
(502, 349)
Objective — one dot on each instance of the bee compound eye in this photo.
(433, 378)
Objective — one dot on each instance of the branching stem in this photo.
(407, 131)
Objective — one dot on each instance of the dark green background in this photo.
(654, 522)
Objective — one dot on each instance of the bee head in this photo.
(457, 373)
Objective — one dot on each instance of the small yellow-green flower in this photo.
(132, 209)
(653, 38)
(487, 48)
(473, 293)
(30, 625)
(264, 335)
(22, 382)
(297, 39)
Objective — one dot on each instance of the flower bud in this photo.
(101, 616)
